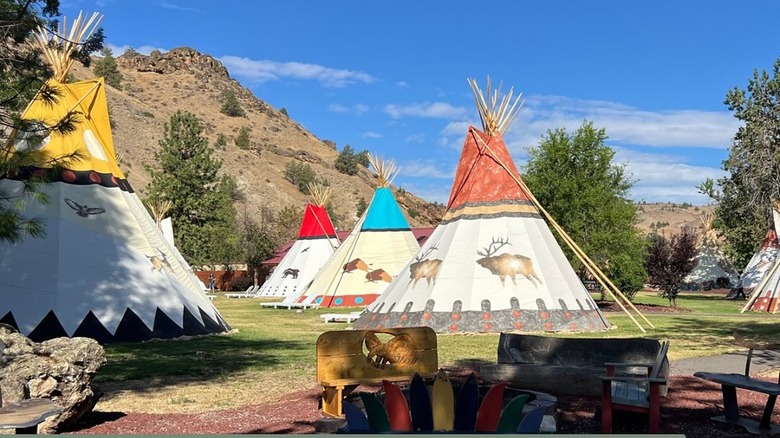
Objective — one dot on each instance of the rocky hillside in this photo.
(668, 218)
(154, 87)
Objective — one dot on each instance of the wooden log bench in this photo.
(729, 383)
(566, 365)
(26, 415)
(349, 358)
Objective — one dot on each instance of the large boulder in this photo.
(61, 369)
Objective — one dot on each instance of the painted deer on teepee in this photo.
(424, 268)
(507, 265)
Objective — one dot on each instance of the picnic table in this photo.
(26, 415)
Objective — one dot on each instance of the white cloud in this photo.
(370, 134)
(415, 138)
(402, 85)
(435, 110)
(627, 124)
(665, 177)
(424, 169)
(361, 108)
(430, 192)
(266, 70)
(175, 7)
(336, 108)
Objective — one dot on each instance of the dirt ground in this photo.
(687, 409)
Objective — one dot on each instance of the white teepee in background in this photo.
(711, 263)
(315, 244)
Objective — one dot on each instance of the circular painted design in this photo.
(318, 300)
(545, 315)
(567, 315)
(94, 177)
(113, 181)
(455, 316)
(338, 301)
(548, 326)
(516, 313)
(426, 316)
(359, 300)
(486, 315)
(68, 176)
(487, 326)
(454, 327)
(518, 325)
(404, 317)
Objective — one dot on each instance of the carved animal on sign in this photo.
(399, 350)
(290, 272)
(379, 274)
(424, 268)
(356, 264)
(507, 265)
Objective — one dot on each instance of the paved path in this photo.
(727, 363)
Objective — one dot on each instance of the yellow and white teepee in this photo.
(103, 270)
(380, 244)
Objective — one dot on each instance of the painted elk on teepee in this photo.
(492, 264)
(315, 244)
(372, 254)
(103, 270)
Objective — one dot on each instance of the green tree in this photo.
(668, 261)
(287, 223)
(202, 200)
(348, 160)
(23, 74)
(242, 140)
(107, 68)
(231, 107)
(256, 240)
(575, 180)
(746, 194)
(300, 174)
(361, 205)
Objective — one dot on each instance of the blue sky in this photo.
(390, 76)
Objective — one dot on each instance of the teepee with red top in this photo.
(765, 293)
(764, 257)
(492, 264)
(315, 244)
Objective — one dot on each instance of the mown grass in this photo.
(272, 352)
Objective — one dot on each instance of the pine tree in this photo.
(203, 211)
(107, 68)
(230, 105)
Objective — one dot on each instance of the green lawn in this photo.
(270, 339)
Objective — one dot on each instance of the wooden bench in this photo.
(349, 358)
(634, 393)
(565, 365)
(26, 415)
(340, 317)
(729, 383)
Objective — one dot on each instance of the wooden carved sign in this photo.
(399, 350)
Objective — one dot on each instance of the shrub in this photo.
(242, 140)
(241, 283)
(230, 105)
(300, 174)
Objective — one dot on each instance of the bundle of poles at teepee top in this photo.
(320, 195)
(496, 115)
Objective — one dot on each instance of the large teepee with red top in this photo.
(315, 244)
(764, 257)
(492, 264)
(765, 293)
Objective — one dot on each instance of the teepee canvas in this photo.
(765, 293)
(103, 270)
(315, 244)
(764, 257)
(492, 264)
(711, 263)
(380, 244)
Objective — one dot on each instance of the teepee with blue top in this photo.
(379, 246)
